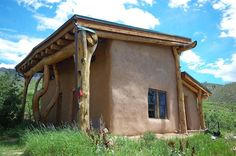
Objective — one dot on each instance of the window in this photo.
(157, 104)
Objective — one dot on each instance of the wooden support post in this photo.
(40, 93)
(26, 84)
(37, 83)
(83, 60)
(201, 116)
(180, 93)
(44, 113)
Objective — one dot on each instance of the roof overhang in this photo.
(194, 85)
(63, 38)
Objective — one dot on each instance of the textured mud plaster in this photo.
(193, 122)
(99, 85)
(135, 68)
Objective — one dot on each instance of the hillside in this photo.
(5, 70)
(222, 93)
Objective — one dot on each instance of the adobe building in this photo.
(129, 77)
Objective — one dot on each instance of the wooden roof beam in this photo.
(55, 47)
(69, 36)
(62, 42)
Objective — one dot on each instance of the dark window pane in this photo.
(151, 114)
(162, 104)
(152, 102)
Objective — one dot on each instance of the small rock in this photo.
(213, 137)
(110, 143)
(234, 149)
(105, 130)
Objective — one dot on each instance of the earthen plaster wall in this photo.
(135, 68)
(192, 119)
(99, 86)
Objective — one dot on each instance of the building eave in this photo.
(104, 29)
(195, 84)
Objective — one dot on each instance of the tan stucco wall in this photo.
(193, 121)
(135, 68)
(99, 85)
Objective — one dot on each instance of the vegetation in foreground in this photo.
(69, 141)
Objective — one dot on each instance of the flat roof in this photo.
(104, 29)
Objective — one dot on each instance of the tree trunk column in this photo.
(180, 94)
(201, 116)
(87, 43)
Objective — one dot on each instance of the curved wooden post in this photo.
(201, 116)
(37, 83)
(180, 93)
(87, 42)
(40, 93)
(25, 91)
(44, 113)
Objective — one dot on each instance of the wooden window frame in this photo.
(157, 105)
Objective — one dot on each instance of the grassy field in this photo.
(41, 142)
(225, 114)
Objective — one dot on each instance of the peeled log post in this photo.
(44, 113)
(26, 84)
(40, 93)
(201, 116)
(182, 113)
(83, 60)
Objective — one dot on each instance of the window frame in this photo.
(157, 104)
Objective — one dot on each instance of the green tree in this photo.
(10, 99)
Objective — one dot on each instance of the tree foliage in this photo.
(10, 99)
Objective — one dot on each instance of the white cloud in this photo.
(150, 2)
(224, 69)
(14, 52)
(192, 60)
(200, 3)
(8, 66)
(111, 10)
(179, 4)
(36, 4)
(228, 21)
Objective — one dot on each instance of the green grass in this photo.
(10, 142)
(225, 114)
(58, 142)
(68, 141)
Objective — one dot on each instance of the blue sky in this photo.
(25, 23)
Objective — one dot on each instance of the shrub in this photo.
(10, 99)
(148, 137)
